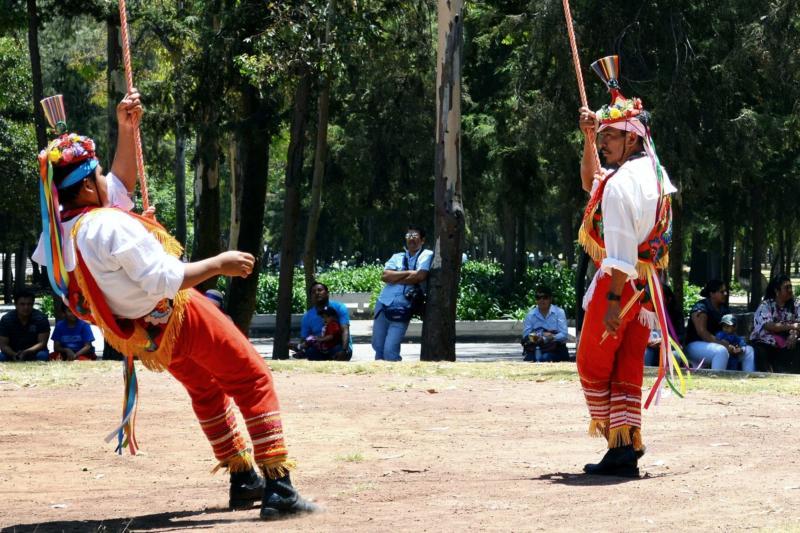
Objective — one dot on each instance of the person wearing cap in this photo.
(742, 357)
(216, 298)
(625, 230)
(123, 272)
(544, 330)
(703, 347)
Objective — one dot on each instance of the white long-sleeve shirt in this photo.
(127, 262)
(130, 266)
(629, 204)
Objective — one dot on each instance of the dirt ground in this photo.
(394, 453)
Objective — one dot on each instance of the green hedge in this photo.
(480, 293)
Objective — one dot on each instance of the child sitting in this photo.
(72, 339)
(728, 334)
(330, 340)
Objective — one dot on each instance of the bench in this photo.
(359, 304)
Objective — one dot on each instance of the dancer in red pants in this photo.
(122, 272)
(626, 232)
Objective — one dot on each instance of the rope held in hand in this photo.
(126, 59)
(577, 63)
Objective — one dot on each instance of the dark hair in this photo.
(713, 285)
(69, 194)
(544, 289)
(328, 311)
(24, 293)
(775, 285)
(418, 229)
(315, 283)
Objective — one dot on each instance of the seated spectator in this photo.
(216, 298)
(329, 343)
(704, 323)
(72, 339)
(775, 328)
(544, 330)
(675, 315)
(728, 333)
(24, 331)
(312, 324)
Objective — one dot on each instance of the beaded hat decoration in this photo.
(66, 149)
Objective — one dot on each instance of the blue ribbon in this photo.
(83, 170)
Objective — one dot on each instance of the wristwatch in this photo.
(611, 297)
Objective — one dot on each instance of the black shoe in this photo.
(281, 499)
(247, 488)
(620, 461)
(640, 453)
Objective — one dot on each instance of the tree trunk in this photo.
(438, 330)
(8, 279)
(522, 251)
(567, 231)
(757, 241)
(180, 185)
(727, 252)
(580, 288)
(253, 160)
(236, 170)
(291, 215)
(320, 156)
(20, 262)
(206, 186)
(36, 73)
(676, 258)
(115, 81)
(509, 244)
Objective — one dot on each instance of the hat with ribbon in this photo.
(68, 149)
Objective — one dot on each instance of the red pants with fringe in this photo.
(216, 363)
(611, 371)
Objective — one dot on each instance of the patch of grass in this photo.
(402, 387)
(55, 374)
(734, 382)
(356, 457)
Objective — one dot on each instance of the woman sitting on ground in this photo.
(775, 328)
(704, 323)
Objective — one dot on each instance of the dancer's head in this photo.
(624, 124)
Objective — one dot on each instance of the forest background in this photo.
(308, 127)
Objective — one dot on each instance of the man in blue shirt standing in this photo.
(402, 272)
(312, 323)
(544, 332)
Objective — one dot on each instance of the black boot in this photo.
(281, 499)
(620, 461)
(247, 488)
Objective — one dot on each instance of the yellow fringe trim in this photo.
(598, 428)
(598, 253)
(620, 436)
(241, 462)
(637, 439)
(278, 467)
(136, 345)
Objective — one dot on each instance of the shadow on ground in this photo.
(573, 479)
(170, 521)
